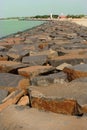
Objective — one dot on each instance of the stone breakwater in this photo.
(43, 78)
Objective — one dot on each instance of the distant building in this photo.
(62, 16)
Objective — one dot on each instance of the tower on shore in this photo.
(51, 17)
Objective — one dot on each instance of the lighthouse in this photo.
(51, 17)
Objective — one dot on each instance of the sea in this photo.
(8, 27)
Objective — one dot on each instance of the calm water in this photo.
(12, 26)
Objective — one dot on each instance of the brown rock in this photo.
(12, 99)
(42, 46)
(12, 40)
(23, 101)
(56, 105)
(84, 108)
(5, 58)
(9, 66)
(24, 84)
(35, 70)
(76, 71)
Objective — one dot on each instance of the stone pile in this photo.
(44, 68)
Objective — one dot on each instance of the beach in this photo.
(82, 21)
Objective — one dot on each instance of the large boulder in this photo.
(55, 104)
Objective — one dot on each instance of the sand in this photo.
(82, 22)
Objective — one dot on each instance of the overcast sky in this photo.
(10, 8)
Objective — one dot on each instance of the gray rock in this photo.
(3, 94)
(46, 80)
(18, 51)
(9, 80)
(72, 61)
(35, 60)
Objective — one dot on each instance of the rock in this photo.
(11, 81)
(32, 71)
(72, 59)
(74, 45)
(3, 94)
(65, 90)
(10, 66)
(3, 58)
(76, 71)
(13, 99)
(84, 108)
(12, 40)
(82, 79)
(54, 104)
(35, 60)
(23, 101)
(2, 48)
(45, 80)
(43, 46)
(62, 66)
(38, 120)
(49, 53)
(18, 52)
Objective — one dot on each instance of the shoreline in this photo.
(19, 32)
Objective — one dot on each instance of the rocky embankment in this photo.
(43, 78)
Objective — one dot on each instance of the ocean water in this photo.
(8, 27)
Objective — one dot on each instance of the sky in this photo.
(14, 8)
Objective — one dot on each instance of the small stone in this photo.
(62, 66)
(23, 101)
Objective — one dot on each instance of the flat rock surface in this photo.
(9, 66)
(49, 79)
(33, 119)
(9, 80)
(35, 70)
(76, 91)
(80, 67)
(35, 60)
(72, 59)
